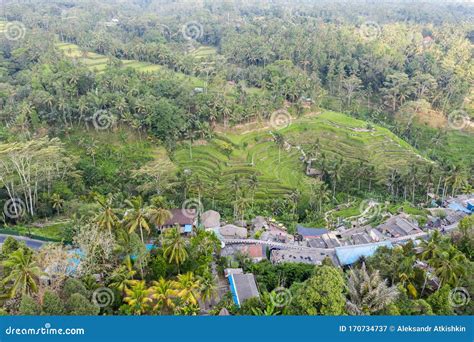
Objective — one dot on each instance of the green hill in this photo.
(256, 153)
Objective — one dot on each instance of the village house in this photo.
(255, 252)
(230, 231)
(242, 285)
(398, 226)
(185, 219)
(211, 220)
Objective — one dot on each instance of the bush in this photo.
(10, 245)
(73, 286)
(78, 305)
(29, 306)
(52, 304)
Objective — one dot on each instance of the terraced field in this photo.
(255, 153)
(341, 135)
(98, 63)
(2, 26)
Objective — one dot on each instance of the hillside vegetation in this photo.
(280, 171)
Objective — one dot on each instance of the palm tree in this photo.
(431, 246)
(188, 288)
(122, 277)
(106, 219)
(450, 265)
(319, 190)
(406, 273)
(159, 216)
(136, 216)
(163, 292)
(174, 246)
(368, 293)
(280, 141)
(429, 179)
(137, 297)
(24, 272)
(336, 175)
(253, 184)
(57, 202)
(208, 289)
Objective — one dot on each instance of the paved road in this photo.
(35, 244)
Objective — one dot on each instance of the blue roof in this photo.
(233, 290)
(310, 231)
(348, 255)
(188, 228)
(458, 207)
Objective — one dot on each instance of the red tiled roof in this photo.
(254, 251)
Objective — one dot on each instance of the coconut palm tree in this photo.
(137, 297)
(122, 277)
(159, 216)
(368, 293)
(336, 173)
(208, 289)
(106, 219)
(450, 265)
(280, 141)
(174, 246)
(431, 246)
(163, 292)
(57, 202)
(24, 272)
(136, 217)
(188, 288)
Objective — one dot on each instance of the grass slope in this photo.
(255, 153)
(98, 63)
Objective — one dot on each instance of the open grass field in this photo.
(255, 153)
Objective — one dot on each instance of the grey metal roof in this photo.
(245, 286)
